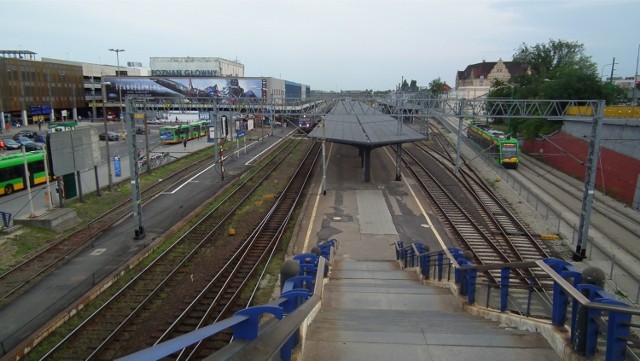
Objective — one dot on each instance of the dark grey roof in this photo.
(356, 123)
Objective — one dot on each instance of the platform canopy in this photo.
(358, 124)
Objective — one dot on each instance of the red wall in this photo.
(569, 154)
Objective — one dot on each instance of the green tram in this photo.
(172, 134)
(12, 175)
(505, 149)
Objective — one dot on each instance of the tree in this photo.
(437, 87)
(559, 70)
(413, 86)
(545, 59)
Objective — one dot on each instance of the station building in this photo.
(476, 80)
(53, 89)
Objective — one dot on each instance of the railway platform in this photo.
(371, 309)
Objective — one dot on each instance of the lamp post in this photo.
(635, 79)
(23, 112)
(117, 51)
(513, 88)
(602, 70)
(52, 117)
(74, 109)
(1, 109)
(64, 81)
(104, 115)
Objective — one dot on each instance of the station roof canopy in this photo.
(356, 123)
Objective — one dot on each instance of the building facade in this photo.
(92, 74)
(32, 90)
(476, 80)
(52, 89)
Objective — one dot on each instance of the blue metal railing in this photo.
(298, 297)
(596, 319)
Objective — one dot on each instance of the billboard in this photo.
(74, 150)
(224, 89)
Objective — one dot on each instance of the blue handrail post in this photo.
(560, 298)
(399, 247)
(295, 298)
(471, 285)
(504, 288)
(584, 331)
(618, 332)
(287, 348)
(248, 329)
(462, 277)
(425, 264)
(591, 337)
(308, 263)
(407, 251)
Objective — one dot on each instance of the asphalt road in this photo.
(23, 204)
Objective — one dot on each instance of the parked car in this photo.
(11, 144)
(28, 144)
(56, 129)
(111, 136)
(140, 130)
(31, 134)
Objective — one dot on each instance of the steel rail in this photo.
(176, 247)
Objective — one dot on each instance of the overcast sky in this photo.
(327, 44)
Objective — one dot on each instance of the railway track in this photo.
(254, 251)
(45, 260)
(628, 227)
(196, 279)
(479, 220)
(503, 222)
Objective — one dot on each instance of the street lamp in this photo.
(602, 71)
(52, 117)
(74, 110)
(104, 114)
(1, 109)
(117, 51)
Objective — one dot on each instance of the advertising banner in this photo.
(224, 89)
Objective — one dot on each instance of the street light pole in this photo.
(52, 117)
(117, 51)
(602, 70)
(2, 109)
(74, 111)
(104, 115)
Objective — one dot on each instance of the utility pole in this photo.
(136, 196)
(590, 181)
(635, 79)
(2, 109)
(613, 65)
(104, 115)
(117, 51)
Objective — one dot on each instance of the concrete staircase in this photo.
(373, 310)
